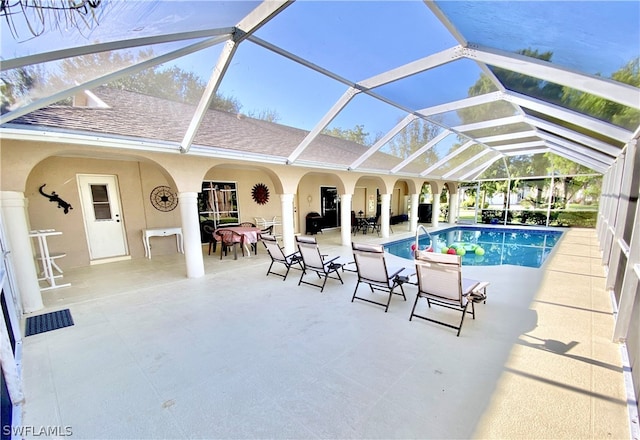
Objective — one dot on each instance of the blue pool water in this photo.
(519, 247)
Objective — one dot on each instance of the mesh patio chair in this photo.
(314, 261)
(440, 282)
(229, 239)
(374, 224)
(372, 269)
(209, 232)
(277, 256)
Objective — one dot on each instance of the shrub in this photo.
(583, 219)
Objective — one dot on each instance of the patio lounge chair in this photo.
(277, 256)
(441, 283)
(372, 270)
(313, 261)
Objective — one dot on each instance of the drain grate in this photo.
(48, 321)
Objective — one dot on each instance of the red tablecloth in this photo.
(250, 236)
(250, 233)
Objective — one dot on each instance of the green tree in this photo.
(170, 82)
(356, 134)
(268, 115)
(16, 84)
(574, 183)
(603, 109)
(413, 137)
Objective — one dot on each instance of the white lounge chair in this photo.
(277, 255)
(314, 261)
(441, 283)
(372, 269)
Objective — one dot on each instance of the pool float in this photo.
(463, 248)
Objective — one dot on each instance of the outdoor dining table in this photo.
(363, 223)
(250, 234)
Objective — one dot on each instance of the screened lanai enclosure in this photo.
(529, 110)
(454, 90)
(459, 91)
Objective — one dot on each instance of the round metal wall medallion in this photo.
(164, 199)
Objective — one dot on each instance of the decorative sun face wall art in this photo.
(260, 193)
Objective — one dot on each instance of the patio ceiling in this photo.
(443, 89)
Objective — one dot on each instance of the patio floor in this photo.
(235, 354)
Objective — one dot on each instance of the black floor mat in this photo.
(48, 322)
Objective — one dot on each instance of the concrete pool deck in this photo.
(236, 354)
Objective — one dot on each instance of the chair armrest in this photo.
(355, 269)
(412, 278)
(331, 260)
(295, 254)
(395, 273)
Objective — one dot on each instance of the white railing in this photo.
(417, 245)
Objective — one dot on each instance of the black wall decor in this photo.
(53, 197)
(163, 198)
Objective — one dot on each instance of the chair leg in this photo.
(338, 273)
(464, 312)
(287, 272)
(326, 275)
(413, 310)
(270, 266)
(388, 301)
(355, 290)
(301, 275)
(401, 289)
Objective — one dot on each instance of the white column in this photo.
(385, 207)
(453, 207)
(288, 230)
(191, 233)
(435, 211)
(413, 213)
(14, 217)
(345, 219)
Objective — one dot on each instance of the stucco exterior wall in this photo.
(135, 182)
(25, 166)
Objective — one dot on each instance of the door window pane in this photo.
(100, 200)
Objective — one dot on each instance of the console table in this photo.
(47, 258)
(161, 232)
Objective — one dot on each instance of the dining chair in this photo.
(228, 239)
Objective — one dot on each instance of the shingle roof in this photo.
(134, 115)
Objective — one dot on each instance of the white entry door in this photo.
(103, 221)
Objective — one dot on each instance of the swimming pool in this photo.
(519, 247)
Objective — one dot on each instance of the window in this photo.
(101, 206)
(218, 203)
